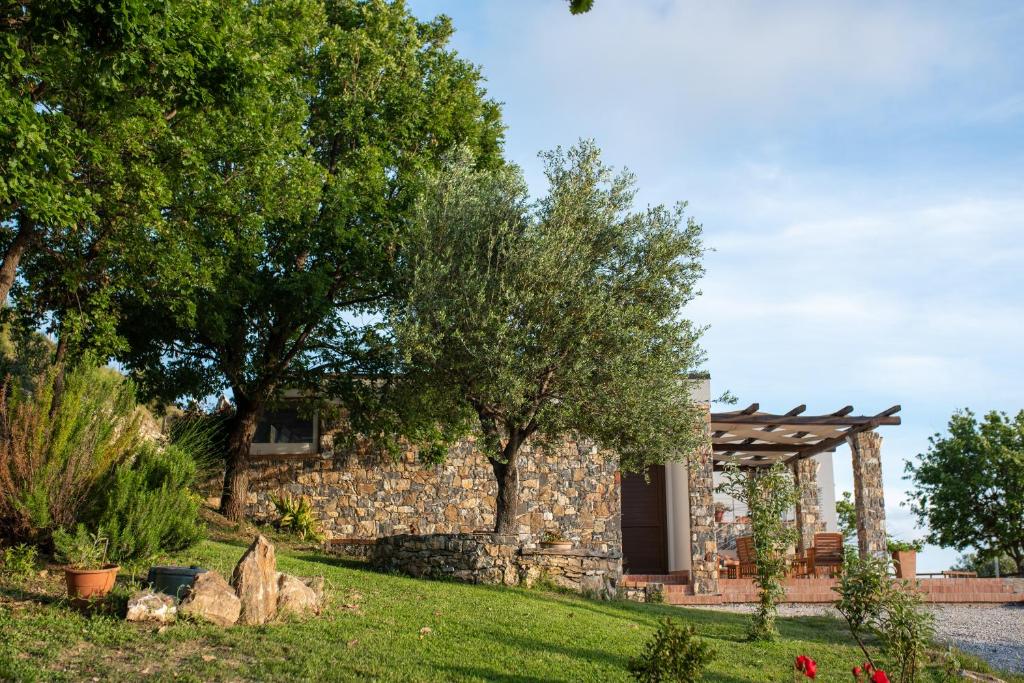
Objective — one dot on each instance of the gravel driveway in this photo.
(993, 632)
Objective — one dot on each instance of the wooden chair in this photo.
(826, 555)
(745, 554)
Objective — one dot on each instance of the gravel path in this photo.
(993, 632)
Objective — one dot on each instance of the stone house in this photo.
(661, 523)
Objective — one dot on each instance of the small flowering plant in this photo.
(805, 666)
(867, 673)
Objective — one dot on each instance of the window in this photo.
(285, 431)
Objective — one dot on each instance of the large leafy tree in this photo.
(294, 210)
(969, 486)
(538, 320)
(91, 93)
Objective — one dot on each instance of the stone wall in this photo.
(499, 559)
(365, 494)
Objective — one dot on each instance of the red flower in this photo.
(857, 671)
(807, 666)
(879, 677)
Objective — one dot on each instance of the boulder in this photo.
(150, 606)
(255, 582)
(316, 584)
(213, 599)
(294, 596)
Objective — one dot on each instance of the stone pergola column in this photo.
(703, 539)
(868, 493)
(808, 507)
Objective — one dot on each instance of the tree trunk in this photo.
(9, 268)
(507, 503)
(236, 471)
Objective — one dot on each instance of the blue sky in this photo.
(858, 168)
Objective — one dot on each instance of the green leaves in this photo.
(769, 494)
(969, 486)
(561, 315)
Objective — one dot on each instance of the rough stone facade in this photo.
(808, 508)
(363, 494)
(703, 541)
(498, 559)
(869, 497)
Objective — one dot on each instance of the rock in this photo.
(255, 582)
(150, 606)
(213, 599)
(316, 584)
(295, 597)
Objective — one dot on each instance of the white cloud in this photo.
(638, 62)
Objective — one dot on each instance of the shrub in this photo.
(871, 602)
(53, 455)
(147, 505)
(895, 545)
(672, 654)
(768, 494)
(80, 550)
(20, 560)
(297, 517)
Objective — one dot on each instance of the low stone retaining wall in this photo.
(498, 559)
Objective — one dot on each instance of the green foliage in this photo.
(98, 103)
(52, 460)
(146, 505)
(768, 495)
(562, 315)
(673, 655)
(872, 603)
(894, 545)
(985, 567)
(580, 6)
(302, 194)
(80, 550)
(846, 512)
(969, 487)
(20, 560)
(296, 516)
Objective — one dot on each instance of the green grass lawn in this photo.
(375, 629)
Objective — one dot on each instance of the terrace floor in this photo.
(819, 590)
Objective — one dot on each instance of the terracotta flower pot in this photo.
(905, 562)
(556, 545)
(90, 583)
(719, 515)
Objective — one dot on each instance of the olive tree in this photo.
(564, 315)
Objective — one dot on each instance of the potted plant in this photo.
(904, 557)
(86, 571)
(720, 509)
(555, 541)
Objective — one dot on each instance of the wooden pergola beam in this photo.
(799, 420)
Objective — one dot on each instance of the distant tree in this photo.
(295, 208)
(972, 562)
(969, 486)
(564, 316)
(846, 511)
(580, 6)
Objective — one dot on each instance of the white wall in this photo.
(677, 497)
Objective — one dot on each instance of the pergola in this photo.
(753, 440)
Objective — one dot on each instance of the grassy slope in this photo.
(372, 630)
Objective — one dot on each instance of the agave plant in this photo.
(297, 517)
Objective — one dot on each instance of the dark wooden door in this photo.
(644, 532)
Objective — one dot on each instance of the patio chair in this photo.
(826, 555)
(745, 554)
